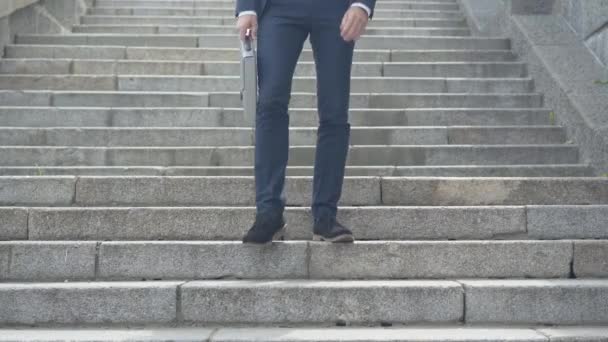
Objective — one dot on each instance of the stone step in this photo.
(239, 191)
(232, 99)
(190, 137)
(191, 83)
(359, 155)
(560, 170)
(440, 333)
(229, 11)
(557, 301)
(75, 54)
(230, 40)
(227, 29)
(88, 19)
(190, 4)
(532, 222)
(100, 67)
(232, 117)
(196, 260)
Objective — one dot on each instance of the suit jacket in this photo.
(260, 5)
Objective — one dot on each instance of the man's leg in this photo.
(333, 59)
(281, 36)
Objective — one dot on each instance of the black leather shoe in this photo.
(265, 229)
(329, 229)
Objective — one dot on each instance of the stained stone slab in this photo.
(464, 259)
(88, 303)
(46, 261)
(558, 301)
(201, 260)
(13, 225)
(591, 259)
(312, 301)
(493, 191)
(568, 222)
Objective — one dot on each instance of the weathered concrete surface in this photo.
(557, 301)
(590, 259)
(37, 190)
(48, 261)
(313, 301)
(88, 303)
(13, 224)
(229, 223)
(201, 260)
(567, 222)
(455, 259)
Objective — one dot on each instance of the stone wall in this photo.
(38, 16)
(564, 43)
(9, 6)
(589, 18)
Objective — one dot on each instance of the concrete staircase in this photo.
(126, 185)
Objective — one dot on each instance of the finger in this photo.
(351, 31)
(358, 31)
(344, 18)
(254, 32)
(347, 28)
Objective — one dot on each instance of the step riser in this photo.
(50, 261)
(70, 53)
(298, 156)
(389, 223)
(232, 100)
(189, 84)
(379, 171)
(444, 333)
(229, 6)
(228, 41)
(514, 298)
(379, 13)
(229, 20)
(99, 68)
(95, 304)
(231, 29)
(244, 137)
(182, 191)
(466, 301)
(140, 117)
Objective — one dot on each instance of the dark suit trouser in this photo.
(282, 31)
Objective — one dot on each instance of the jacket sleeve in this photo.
(245, 5)
(370, 4)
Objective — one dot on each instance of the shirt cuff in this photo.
(362, 5)
(247, 12)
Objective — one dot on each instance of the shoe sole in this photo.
(340, 238)
(278, 236)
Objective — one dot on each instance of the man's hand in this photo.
(247, 21)
(353, 23)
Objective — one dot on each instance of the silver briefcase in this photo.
(249, 81)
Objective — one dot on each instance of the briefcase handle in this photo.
(247, 42)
